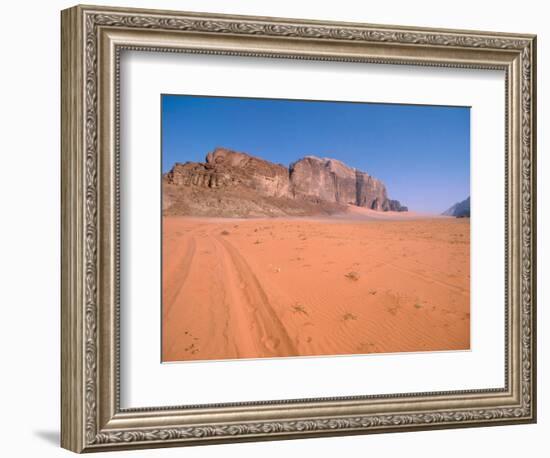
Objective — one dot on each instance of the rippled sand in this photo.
(303, 287)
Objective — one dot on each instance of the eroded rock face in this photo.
(224, 168)
(395, 205)
(333, 181)
(328, 183)
(324, 179)
(371, 192)
(263, 176)
(198, 174)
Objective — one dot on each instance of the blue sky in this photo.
(421, 153)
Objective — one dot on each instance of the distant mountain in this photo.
(236, 184)
(460, 210)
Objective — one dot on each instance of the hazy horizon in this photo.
(420, 152)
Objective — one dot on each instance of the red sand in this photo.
(302, 287)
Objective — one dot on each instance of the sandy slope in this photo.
(285, 287)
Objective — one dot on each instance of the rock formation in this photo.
(232, 183)
(224, 168)
(459, 210)
(333, 181)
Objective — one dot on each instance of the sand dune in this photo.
(361, 283)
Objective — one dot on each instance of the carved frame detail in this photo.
(82, 404)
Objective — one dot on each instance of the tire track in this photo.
(175, 284)
(429, 279)
(259, 325)
(391, 264)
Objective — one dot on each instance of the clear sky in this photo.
(421, 153)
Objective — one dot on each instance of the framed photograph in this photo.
(278, 228)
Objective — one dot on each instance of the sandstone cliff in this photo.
(232, 183)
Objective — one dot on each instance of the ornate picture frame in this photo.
(92, 41)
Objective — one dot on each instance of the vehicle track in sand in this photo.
(261, 332)
(173, 285)
(236, 307)
(237, 289)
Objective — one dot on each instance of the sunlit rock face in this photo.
(333, 181)
(255, 186)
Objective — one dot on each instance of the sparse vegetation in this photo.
(298, 308)
(224, 232)
(354, 276)
(393, 310)
(349, 316)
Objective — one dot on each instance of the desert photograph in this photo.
(313, 228)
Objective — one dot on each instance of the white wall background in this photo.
(29, 229)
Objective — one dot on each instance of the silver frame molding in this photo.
(92, 40)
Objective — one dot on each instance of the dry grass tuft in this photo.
(349, 316)
(298, 308)
(354, 276)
